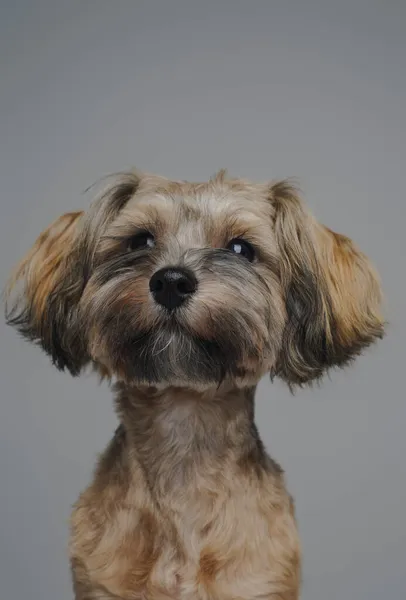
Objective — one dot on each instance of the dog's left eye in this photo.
(141, 241)
(242, 248)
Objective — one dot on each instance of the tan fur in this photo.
(43, 266)
(185, 503)
(353, 285)
(349, 295)
(189, 531)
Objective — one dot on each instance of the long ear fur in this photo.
(332, 293)
(43, 293)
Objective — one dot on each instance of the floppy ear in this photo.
(42, 295)
(332, 293)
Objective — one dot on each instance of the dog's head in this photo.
(174, 283)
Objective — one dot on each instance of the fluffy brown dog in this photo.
(185, 295)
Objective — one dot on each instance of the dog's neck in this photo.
(179, 435)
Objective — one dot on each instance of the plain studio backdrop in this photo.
(315, 90)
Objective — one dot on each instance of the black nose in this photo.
(172, 286)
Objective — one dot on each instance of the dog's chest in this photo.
(231, 553)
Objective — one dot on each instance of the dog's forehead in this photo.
(210, 202)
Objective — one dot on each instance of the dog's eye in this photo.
(242, 248)
(141, 241)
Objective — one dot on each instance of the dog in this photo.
(184, 295)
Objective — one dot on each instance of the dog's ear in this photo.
(42, 298)
(43, 293)
(332, 293)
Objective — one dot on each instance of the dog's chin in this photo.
(175, 357)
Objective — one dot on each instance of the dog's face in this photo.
(172, 283)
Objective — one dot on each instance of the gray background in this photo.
(315, 90)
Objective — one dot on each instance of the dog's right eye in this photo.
(141, 241)
(243, 248)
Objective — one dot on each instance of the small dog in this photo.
(185, 295)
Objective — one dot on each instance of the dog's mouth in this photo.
(188, 346)
(173, 353)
